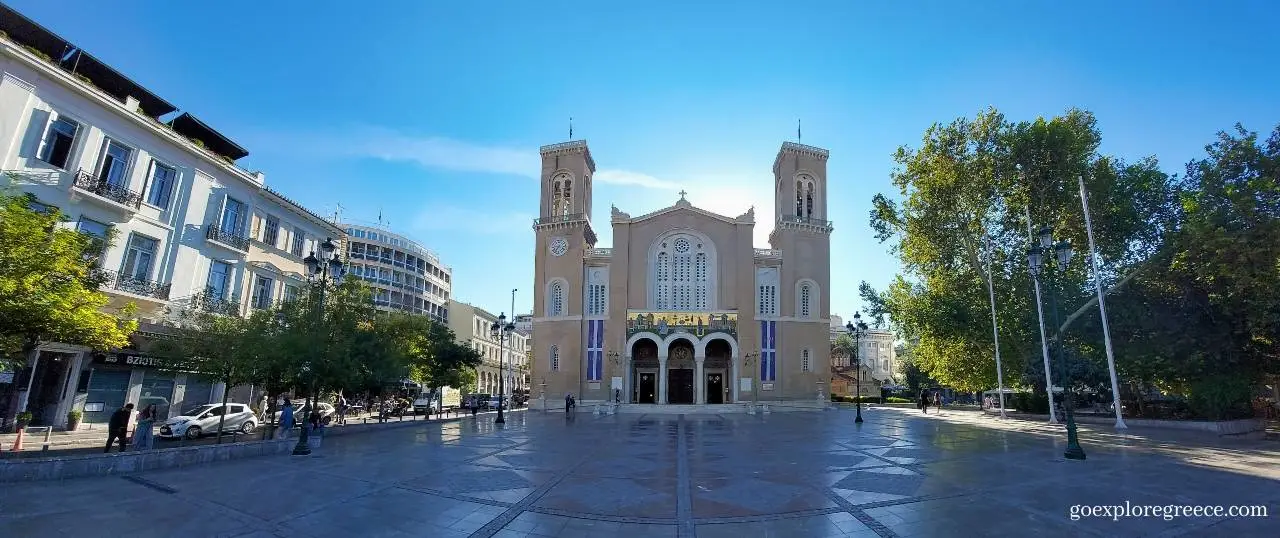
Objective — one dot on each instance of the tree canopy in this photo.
(49, 286)
(1198, 256)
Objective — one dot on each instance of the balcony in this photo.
(769, 253)
(113, 280)
(599, 253)
(227, 238)
(213, 302)
(118, 195)
(805, 223)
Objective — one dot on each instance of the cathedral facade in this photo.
(682, 309)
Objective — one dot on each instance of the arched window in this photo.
(555, 199)
(683, 273)
(805, 292)
(808, 200)
(555, 358)
(804, 360)
(799, 199)
(555, 300)
(568, 197)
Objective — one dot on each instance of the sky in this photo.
(430, 113)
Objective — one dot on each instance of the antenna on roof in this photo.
(570, 127)
(797, 130)
(337, 213)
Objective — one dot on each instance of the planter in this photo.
(73, 420)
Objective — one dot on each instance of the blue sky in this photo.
(431, 112)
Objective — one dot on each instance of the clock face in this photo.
(559, 246)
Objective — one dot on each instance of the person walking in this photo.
(568, 402)
(118, 427)
(143, 435)
(286, 420)
(937, 401)
(924, 401)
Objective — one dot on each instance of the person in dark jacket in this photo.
(118, 427)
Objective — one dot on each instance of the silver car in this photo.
(205, 418)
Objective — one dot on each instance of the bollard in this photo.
(17, 442)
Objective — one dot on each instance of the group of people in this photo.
(143, 433)
(928, 398)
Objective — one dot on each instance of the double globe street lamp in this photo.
(857, 329)
(500, 331)
(322, 271)
(1039, 259)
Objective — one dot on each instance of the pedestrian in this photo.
(342, 409)
(286, 420)
(568, 402)
(118, 427)
(143, 436)
(924, 401)
(937, 401)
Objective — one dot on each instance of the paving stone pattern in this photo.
(738, 476)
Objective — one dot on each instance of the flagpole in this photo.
(1102, 306)
(1044, 342)
(995, 327)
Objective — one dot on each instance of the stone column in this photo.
(699, 379)
(662, 379)
(628, 391)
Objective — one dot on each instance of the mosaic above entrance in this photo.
(698, 324)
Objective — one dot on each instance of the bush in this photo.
(1221, 397)
(895, 399)
(74, 416)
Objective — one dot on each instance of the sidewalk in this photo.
(91, 438)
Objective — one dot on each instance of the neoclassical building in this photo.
(682, 308)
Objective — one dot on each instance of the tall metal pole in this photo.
(513, 341)
(1074, 450)
(1102, 307)
(1044, 342)
(995, 328)
(303, 448)
(857, 352)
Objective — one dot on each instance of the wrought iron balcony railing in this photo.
(214, 232)
(209, 300)
(114, 280)
(91, 183)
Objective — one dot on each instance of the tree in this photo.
(48, 285)
(964, 199)
(230, 349)
(435, 358)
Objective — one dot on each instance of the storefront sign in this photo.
(128, 359)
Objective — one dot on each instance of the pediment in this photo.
(683, 206)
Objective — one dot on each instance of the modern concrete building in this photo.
(472, 326)
(682, 308)
(404, 275)
(191, 228)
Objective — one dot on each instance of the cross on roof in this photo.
(682, 193)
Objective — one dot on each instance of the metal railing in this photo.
(572, 217)
(209, 300)
(796, 219)
(768, 253)
(91, 183)
(120, 282)
(599, 253)
(214, 232)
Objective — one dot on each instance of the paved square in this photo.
(783, 474)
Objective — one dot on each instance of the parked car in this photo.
(204, 419)
(326, 410)
(423, 405)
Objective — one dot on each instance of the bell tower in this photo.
(802, 232)
(562, 236)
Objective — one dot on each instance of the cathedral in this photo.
(683, 309)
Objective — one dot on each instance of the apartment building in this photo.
(190, 228)
(405, 276)
(472, 325)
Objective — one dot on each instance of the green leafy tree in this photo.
(48, 285)
(435, 358)
(230, 349)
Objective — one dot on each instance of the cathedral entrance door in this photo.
(715, 388)
(648, 389)
(679, 386)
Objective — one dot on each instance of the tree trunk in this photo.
(222, 419)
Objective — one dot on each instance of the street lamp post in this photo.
(1038, 259)
(857, 328)
(501, 330)
(321, 271)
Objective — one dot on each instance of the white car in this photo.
(325, 409)
(204, 419)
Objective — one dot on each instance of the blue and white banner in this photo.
(768, 350)
(595, 349)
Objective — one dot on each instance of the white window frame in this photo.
(261, 298)
(42, 152)
(151, 169)
(130, 270)
(126, 173)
